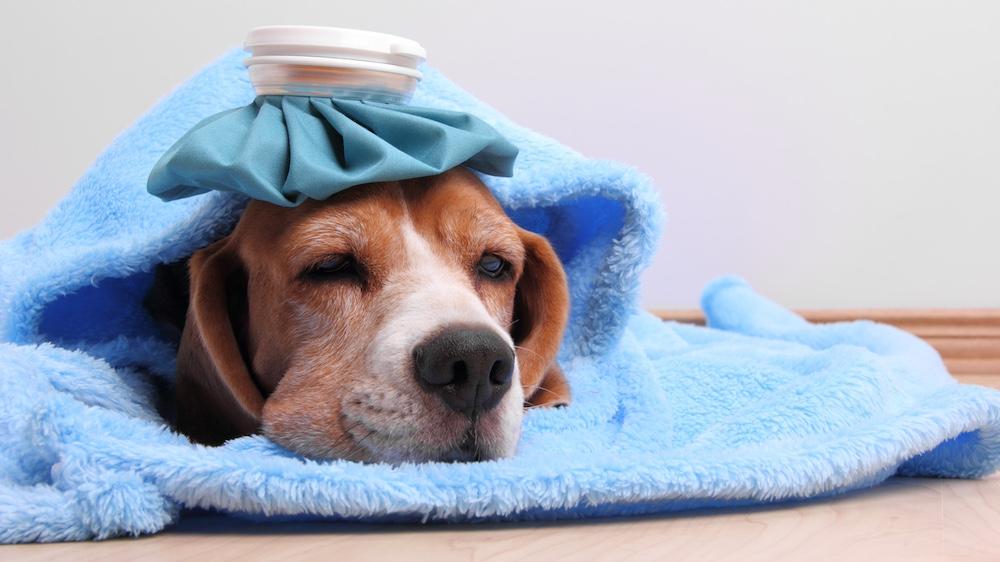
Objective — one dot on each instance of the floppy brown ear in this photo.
(217, 399)
(541, 307)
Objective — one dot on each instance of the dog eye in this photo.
(492, 265)
(333, 267)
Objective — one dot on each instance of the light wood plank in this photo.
(967, 339)
(966, 322)
(991, 379)
(912, 519)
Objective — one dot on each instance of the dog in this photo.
(407, 321)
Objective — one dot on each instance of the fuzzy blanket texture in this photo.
(760, 407)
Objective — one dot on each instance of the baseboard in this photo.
(967, 339)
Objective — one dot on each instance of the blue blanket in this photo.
(761, 407)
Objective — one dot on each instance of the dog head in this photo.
(404, 321)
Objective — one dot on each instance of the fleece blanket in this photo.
(759, 407)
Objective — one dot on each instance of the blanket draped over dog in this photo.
(761, 407)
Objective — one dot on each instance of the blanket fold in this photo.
(761, 406)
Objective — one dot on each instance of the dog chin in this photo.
(491, 437)
(431, 435)
(473, 447)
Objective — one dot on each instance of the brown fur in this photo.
(266, 348)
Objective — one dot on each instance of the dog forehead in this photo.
(448, 209)
(443, 195)
(265, 227)
(457, 210)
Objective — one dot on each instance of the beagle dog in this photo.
(396, 322)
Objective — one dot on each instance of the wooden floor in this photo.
(903, 519)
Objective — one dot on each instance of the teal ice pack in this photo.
(326, 119)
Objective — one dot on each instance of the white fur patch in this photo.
(430, 295)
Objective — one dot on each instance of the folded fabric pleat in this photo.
(286, 149)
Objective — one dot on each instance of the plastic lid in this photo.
(334, 42)
(332, 61)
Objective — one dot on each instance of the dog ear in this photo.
(217, 398)
(541, 308)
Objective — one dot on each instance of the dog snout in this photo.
(470, 368)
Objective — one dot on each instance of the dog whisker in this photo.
(357, 445)
(552, 392)
(531, 351)
(367, 435)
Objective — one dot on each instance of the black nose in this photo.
(469, 368)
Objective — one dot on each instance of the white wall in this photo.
(835, 153)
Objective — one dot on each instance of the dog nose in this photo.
(469, 368)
